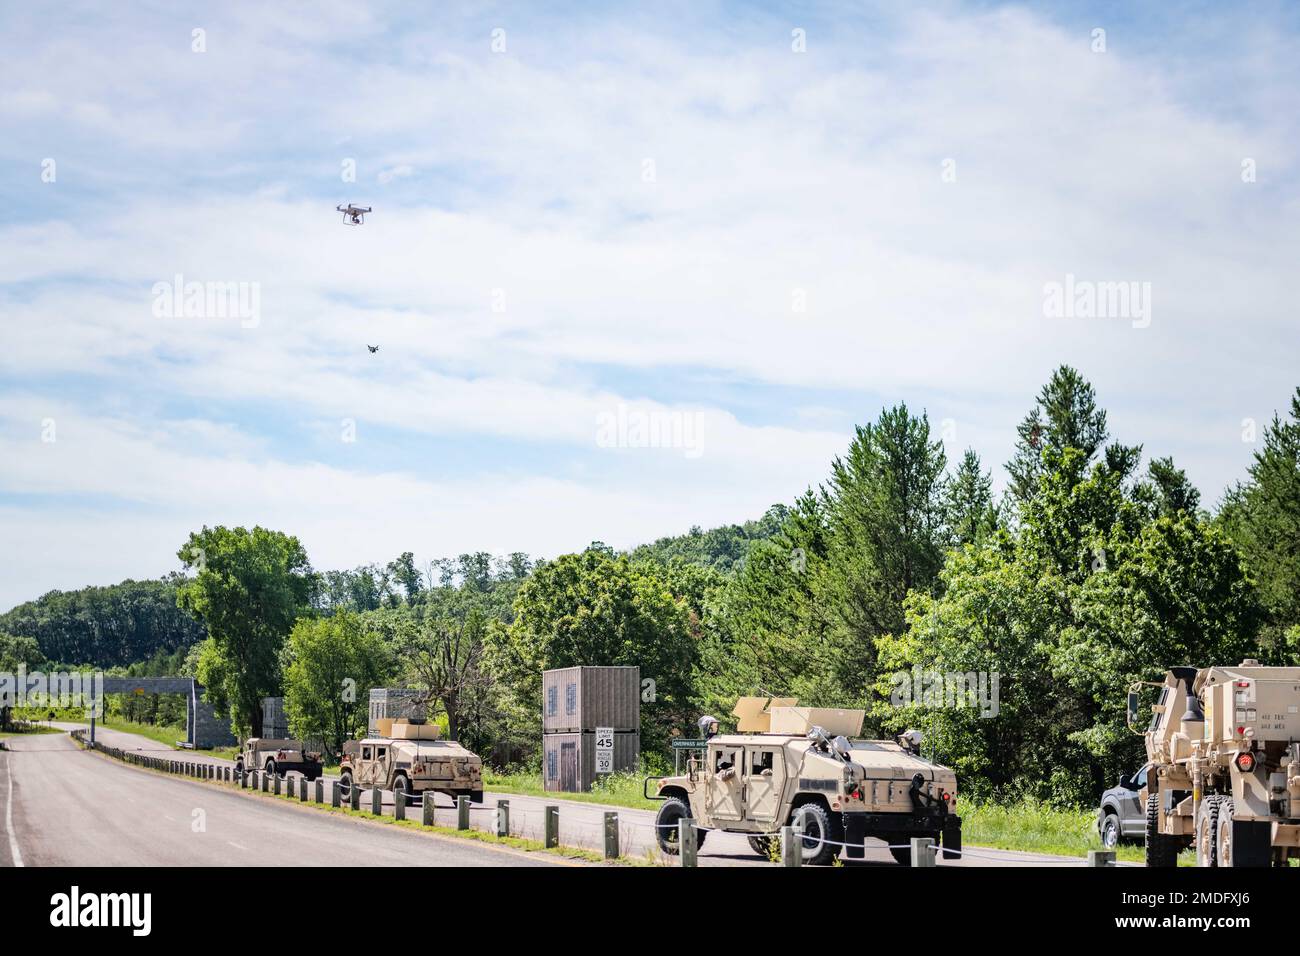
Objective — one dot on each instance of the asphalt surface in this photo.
(63, 806)
(581, 824)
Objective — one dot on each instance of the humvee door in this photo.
(764, 778)
(724, 781)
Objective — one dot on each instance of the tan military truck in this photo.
(1225, 765)
(798, 766)
(277, 757)
(408, 758)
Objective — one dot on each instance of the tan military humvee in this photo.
(277, 756)
(797, 766)
(1225, 766)
(408, 758)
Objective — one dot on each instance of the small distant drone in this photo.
(353, 215)
(373, 349)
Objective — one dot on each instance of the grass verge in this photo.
(615, 790)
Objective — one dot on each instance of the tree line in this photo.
(1097, 567)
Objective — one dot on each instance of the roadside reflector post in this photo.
(243, 781)
(462, 812)
(376, 801)
(503, 818)
(336, 797)
(1101, 857)
(551, 828)
(791, 847)
(276, 784)
(399, 804)
(922, 851)
(611, 836)
(266, 783)
(302, 791)
(427, 817)
(320, 790)
(354, 796)
(686, 841)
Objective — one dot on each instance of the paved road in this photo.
(63, 806)
(582, 824)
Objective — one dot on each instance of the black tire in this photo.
(1109, 830)
(673, 810)
(762, 845)
(1207, 833)
(1162, 850)
(952, 839)
(818, 833)
(1224, 835)
(402, 790)
(902, 854)
(239, 770)
(476, 796)
(345, 785)
(270, 768)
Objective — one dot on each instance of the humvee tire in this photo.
(270, 767)
(951, 839)
(762, 845)
(1207, 833)
(476, 796)
(673, 810)
(902, 854)
(345, 784)
(1162, 850)
(239, 769)
(814, 823)
(402, 790)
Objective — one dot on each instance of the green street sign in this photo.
(689, 743)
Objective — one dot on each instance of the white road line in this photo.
(14, 852)
(237, 846)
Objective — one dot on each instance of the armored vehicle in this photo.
(1225, 765)
(797, 766)
(408, 758)
(277, 756)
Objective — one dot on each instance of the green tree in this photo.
(330, 665)
(598, 609)
(1262, 515)
(248, 588)
(16, 652)
(970, 513)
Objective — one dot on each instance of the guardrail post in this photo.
(1101, 857)
(503, 818)
(302, 790)
(551, 826)
(791, 847)
(611, 836)
(376, 801)
(243, 781)
(354, 796)
(427, 801)
(320, 790)
(336, 796)
(462, 812)
(276, 783)
(399, 804)
(266, 783)
(922, 851)
(686, 846)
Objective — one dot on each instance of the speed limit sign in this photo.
(604, 750)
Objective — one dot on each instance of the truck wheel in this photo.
(902, 854)
(402, 790)
(1224, 831)
(476, 796)
(1162, 850)
(673, 811)
(1207, 833)
(1109, 831)
(270, 768)
(762, 845)
(345, 785)
(952, 839)
(812, 820)
(239, 770)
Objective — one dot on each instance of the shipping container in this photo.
(569, 760)
(584, 698)
(275, 726)
(392, 703)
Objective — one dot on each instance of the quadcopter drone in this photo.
(353, 215)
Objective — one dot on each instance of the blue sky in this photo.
(671, 216)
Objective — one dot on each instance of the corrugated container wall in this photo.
(569, 760)
(584, 698)
(392, 703)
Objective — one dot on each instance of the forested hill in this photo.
(722, 548)
(105, 626)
